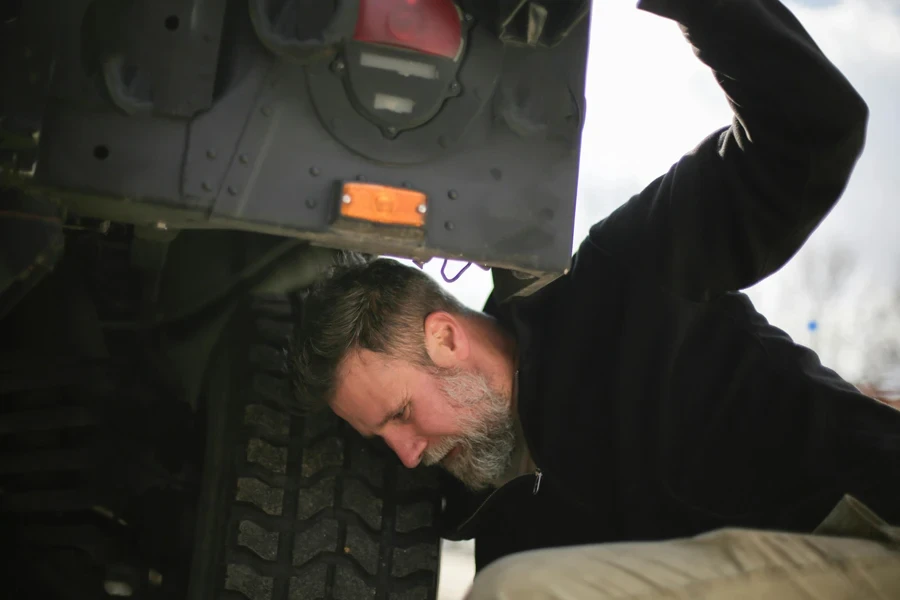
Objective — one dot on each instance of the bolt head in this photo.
(244, 159)
(211, 154)
(422, 209)
(449, 226)
(232, 190)
(346, 199)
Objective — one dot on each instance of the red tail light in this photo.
(429, 26)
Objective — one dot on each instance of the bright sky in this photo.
(645, 85)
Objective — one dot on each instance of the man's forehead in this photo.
(362, 363)
(365, 375)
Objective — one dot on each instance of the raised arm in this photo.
(739, 206)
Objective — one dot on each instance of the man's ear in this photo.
(445, 339)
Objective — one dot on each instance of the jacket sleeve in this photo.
(742, 203)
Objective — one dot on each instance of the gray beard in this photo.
(488, 440)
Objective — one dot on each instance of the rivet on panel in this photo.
(211, 154)
(311, 203)
(422, 209)
(206, 186)
(232, 190)
(315, 171)
(453, 194)
(346, 199)
(449, 226)
(267, 111)
(244, 159)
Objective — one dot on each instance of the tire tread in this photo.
(319, 513)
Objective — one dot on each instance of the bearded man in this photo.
(641, 396)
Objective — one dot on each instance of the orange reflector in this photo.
(382, 204)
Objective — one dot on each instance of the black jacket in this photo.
(655, 400)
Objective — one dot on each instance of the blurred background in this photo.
(650, 101)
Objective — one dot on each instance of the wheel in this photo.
(110, 485)
(297, 508)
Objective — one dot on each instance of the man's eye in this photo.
(403, 414)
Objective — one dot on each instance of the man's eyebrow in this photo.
(393, 413)
(388, 417)
(384, 421)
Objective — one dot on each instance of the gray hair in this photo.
(378, 305)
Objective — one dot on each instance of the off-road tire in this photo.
(301, 508)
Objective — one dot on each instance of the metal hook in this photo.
(457, 276)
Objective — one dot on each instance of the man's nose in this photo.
(408, 448)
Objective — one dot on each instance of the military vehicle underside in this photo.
(173, 175)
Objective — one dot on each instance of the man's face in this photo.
(450, 416)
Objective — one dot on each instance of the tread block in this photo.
(358, 498)
(410, 480)
(254, 491)
(414, 516)
(266, 455)
(276, 330)
(348, 585)
(321, 537)
(243, 579)
(267, 421)
(268, 357)
(420, 557)
(313, 499)
(416, 593)
(369, 465)
(310, 584)
(261, 542)
(274, 389)
(327, 453)
(362, 548)
(317, 423)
